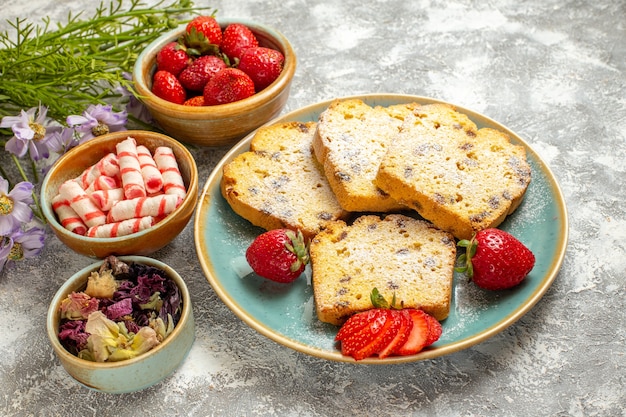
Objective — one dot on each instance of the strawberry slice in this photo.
(434, 330)
(355, 324)
(419, 333)
(381, 327)
(406, 324)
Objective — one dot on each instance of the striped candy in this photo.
(123, 228)
(80, 202)
(130, 169)
(156, 206)
(172, 179)
(67, 216)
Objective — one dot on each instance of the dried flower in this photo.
(21, 245)
(98, 120)
(31, 130)
(78, 306)
(62, 141)
(110, 341)
(14, 206)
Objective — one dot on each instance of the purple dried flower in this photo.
(15, 207)
(134, 106)
(63, 140)
(32, 130)
(98, 120)
(22, 245)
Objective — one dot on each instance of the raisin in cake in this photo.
(396, 254)
(350, 141)
(461, 178)
(279, 183)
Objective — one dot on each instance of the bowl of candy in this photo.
(210, 83)
(121, 324)
(123, 193)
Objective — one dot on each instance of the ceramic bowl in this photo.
(132, 374)
(222, 124)
(75, 161)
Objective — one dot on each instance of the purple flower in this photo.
(63, 140)
(134, 106)
(73, 336)
(31, 130)
(14, 206)
(22, 245)
(98, 120)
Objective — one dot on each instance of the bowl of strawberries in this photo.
(211, 82)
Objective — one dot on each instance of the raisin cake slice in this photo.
(350, 141)
(397, 254)
(461, 178)
(279, 183)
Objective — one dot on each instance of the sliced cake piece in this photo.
(397, 254)
(461, 178)
(350, 141)
(279, 183)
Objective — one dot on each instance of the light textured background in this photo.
(552, 71)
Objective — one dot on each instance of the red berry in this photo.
(236, 39)
(194, 101)
(495, 259)
(366, 333)
(262, 64)
(173, 58)
(434, 330)
(201, 70)
(279, 255)
(207, 26)
(166, 86)
(387, 330)
(406, 325)
(227, 86)
(418, 337)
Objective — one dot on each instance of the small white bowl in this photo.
(132, 374)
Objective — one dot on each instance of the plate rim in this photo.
(555, 266)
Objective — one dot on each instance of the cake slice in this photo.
(397, 254)
(279, 183)
(461, 178)
(350, 141)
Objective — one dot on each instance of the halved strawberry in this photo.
(419, 333)
(406, 324)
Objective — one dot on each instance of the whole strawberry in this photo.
(262, 64)
(173, 58)
(236, 39)
(200, 71)
(207, 26)
(227, 86)
(166, 86)
(196, 101)
(279, 255)
(495, 259)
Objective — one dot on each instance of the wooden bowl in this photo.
(132, 374)
(221, 124)
(74, 162)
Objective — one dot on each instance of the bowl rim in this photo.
(269, 93)
(72, 284)
(190, 198)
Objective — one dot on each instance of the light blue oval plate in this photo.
(285, 313)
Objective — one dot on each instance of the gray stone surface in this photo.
(552, 71)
